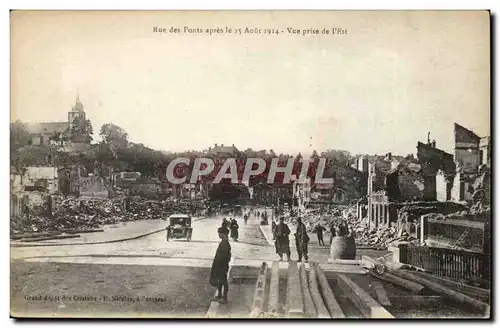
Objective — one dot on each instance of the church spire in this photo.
(78, 104)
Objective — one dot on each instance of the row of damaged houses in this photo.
(432, 176)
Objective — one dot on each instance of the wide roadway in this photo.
(143, 277)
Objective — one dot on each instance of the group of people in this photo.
(341, 229)
(281, 239)
(232, 226)
(281, 233)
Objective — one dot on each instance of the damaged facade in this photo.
(472, 156)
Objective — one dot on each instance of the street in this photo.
(170, 278)
(150, 277)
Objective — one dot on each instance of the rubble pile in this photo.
(413, 211)
(376, 238)
(478, 212)
(84, 214)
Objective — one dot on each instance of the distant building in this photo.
(55, 133)
(223, 152)
(302, 192)
(362, 164)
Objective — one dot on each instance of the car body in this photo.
(238, 210)
(179, 227)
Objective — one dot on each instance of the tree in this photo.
(81, 130)
(19, 135)
(58, 138)
(114, 135)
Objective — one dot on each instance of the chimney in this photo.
(389, 156)
(233, 145)
(215, 145)
(222, 145)
(433, 143)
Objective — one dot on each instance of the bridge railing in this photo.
(456, 264)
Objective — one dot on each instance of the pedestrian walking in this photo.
(319, 233)
(245, 218)
(282, 243)
(301, 240)
(233, 227)
(220, 266)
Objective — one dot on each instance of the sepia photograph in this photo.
(250, 164)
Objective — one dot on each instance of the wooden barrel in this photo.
(343, 248)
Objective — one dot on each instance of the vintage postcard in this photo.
(250, 164)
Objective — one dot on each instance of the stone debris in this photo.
(81, 214)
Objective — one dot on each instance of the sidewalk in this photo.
(112, 233)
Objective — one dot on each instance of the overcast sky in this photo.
(394, 77)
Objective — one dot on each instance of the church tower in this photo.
(76, 111)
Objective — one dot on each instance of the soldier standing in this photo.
(301, 240)
(220, 266)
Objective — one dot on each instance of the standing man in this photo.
(301, 240)
(220, 266)
(319, 232)
(332, 232)
(282, 242)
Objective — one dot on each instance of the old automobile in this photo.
(179, 227)
(237, 210)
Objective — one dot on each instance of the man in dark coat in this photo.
(282, 242)
(301, 240)
(220, 266)
(319, 232)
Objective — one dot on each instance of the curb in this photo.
(309, 307)
(273, 301)
(294, 297)
(319, 304)
(98, 242)
(259, 295)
